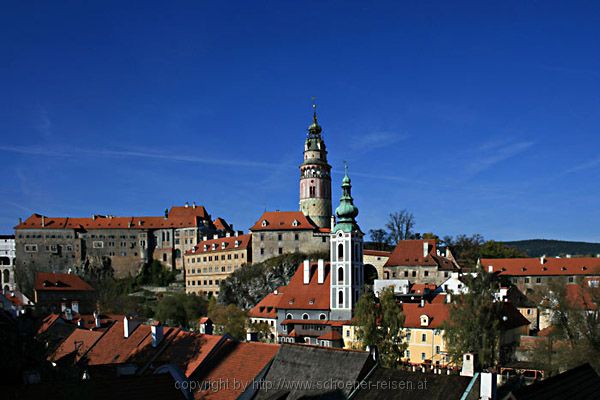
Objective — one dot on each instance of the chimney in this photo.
(75, 306)
(43, 221)
(469, 364)
(157, 334)
(228, 234)
(204, 238)
(373, 352)
(206, 327)
(487, 386)
(306, 272)
(422, 304)
(215, 236)
(80, 322)
(129, 324)
(20, 220)
(97, 320)
(332, 222)
(425, 249)
(490, 269)
(193, 204)
(93, 217)
(63, 306)
(321, 271)
(543, 259)
(448, 298)
(186, 204)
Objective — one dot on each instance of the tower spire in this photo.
(314, 129)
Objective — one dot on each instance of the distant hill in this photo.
(553, 248)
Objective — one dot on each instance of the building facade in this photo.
(284, 232)
(315, 177)
(123, 243)
(7, 262)
(65, 293)
(212, 261)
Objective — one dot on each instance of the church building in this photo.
(320, 297)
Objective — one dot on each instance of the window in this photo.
(322, 317)
(347, 332)
(423, 337)
(437, 349)
(323, 239)
(422, 356)
(165, 257)
(289, 316)
(262, 237)
(445, 274)
(31, 248)
(538, 280)
(529, 311)
(340, 299)
(426, 273)
(280, 250)
(405, 274)
(305, 316)
(98, 244)
(262, 251)
(279, 236)
(340, 251)
(312, 191)
(526, 280)
(414, 274)
(340, 274)
(571, 279)
(296, 236)
(407, 352)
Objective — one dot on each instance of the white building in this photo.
(7, 262)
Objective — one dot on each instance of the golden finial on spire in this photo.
(314, 105)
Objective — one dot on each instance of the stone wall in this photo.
(269, 244)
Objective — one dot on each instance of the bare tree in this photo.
(400, 225)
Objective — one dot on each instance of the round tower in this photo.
(315, 177)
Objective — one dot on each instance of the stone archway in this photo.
(370, 274)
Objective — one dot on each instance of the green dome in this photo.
(346, 212)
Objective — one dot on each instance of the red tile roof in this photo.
(410, 253)
(438, 313)
(78, 342)
(331, 335)
(312, 296)
(421, 288)
(50, 281)
(549, 266)
(177, 217)
(221, 225)
(380, 253)
(114, 348)
(267, 307)
(283, 220)
(47, 322)
(243, 243)
(187, 350)
(240, 362)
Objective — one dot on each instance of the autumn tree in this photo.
(474, 321)
(380, 323)
(228, 319)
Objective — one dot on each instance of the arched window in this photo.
(340, 274)
(322, 317)
(305, 316)
(340, 251)
(289, 316)
(177, 253)
(340, 299)
(5, 276)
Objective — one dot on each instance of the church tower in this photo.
(346, 253)
(315, 178)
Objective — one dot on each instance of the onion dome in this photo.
(346, 212)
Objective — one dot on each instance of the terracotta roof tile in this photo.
(380, 253)
(283, 220)
(549, 266)
(312, 296)
(267, 307)
(222, 244)
(410, 253)
(331, 335)
(50, 281)
(77, 343)
(187, 350)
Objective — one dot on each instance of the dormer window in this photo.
(205, 247)
(223, 245)
(237, 243)
(214, 246)
(264, 223)
(295, 223)
(424, 320)
(311, 301)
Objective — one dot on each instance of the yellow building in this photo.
(212, 261)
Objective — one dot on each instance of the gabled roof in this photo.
(221, 225)
(331, 335)
(178, 217)
(239, 362)
(267, 307)
(283, 220)
(77, 344)
(312, 296)
(300, 364)
(379, 253)
(543, 266)
(438, 313)
(577, 383)
(50, 281)
(411, 253)
(222, 244)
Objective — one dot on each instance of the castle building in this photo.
(315, 177)
(7, 262)
(60, 243)
(320, 297)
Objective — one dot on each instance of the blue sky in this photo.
(478, 118)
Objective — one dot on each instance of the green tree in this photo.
(468, 249)
(181, 309)
(155, 274)
(228, 319)
(379, 238)
(380, 323)
(474, 321)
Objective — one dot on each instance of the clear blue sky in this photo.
(477, 118)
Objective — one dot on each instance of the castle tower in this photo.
(315, 178)
(346, 254)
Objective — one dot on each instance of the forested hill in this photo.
(553, 248)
